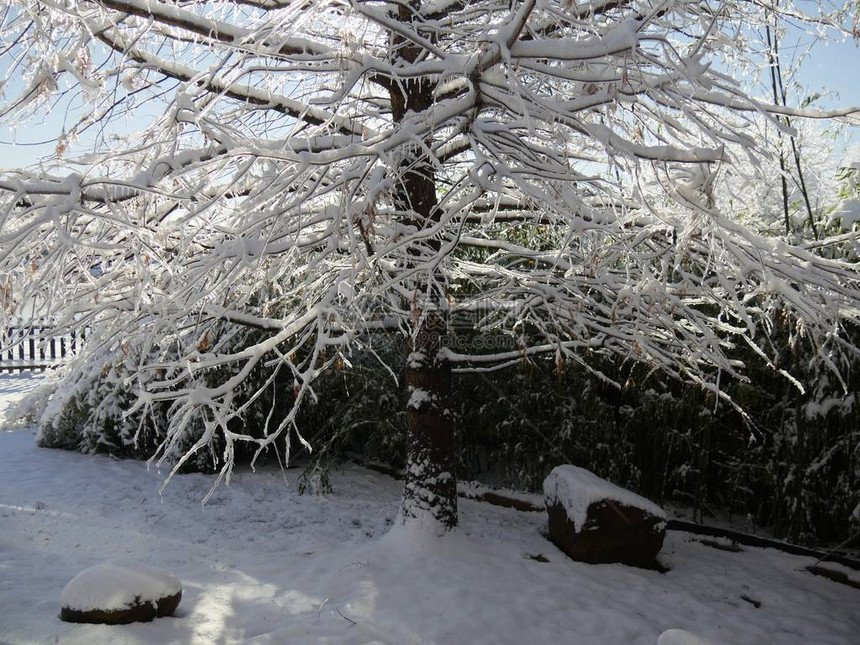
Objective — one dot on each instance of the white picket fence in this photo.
(35, 347)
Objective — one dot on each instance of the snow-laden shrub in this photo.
(359, 409)
(91, 407)
(87, 409)
(793, 465)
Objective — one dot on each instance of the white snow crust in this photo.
(849, 212)
(577, 489)
(419, 397)
(683, 637)
(474, 490)
(115, 585)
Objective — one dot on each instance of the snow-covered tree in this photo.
(323, 170)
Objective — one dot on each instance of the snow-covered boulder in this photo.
(118, 594)
(593, 520)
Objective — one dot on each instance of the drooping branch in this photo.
(245, 93)
(211, 29)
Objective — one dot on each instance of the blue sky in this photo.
(831, 69)
(833, 66)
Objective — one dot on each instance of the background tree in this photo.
(320, 170)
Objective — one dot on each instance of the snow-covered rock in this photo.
(593, 520)
(117, 594)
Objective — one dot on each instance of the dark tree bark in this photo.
(430, 494)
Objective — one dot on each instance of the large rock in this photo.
(118, 594)
(593, 520)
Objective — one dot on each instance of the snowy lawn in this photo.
(262, 564)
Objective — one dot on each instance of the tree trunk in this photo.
(430, 492)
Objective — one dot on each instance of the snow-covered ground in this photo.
(262, 564)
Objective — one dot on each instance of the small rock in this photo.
(118, 594)
(595, 521)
